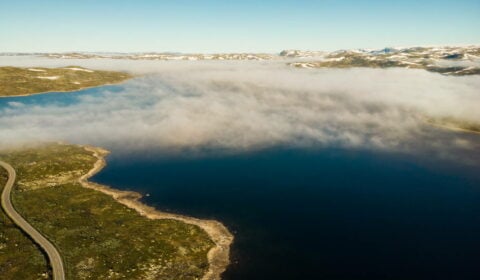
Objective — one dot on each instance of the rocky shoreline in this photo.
(218, 256)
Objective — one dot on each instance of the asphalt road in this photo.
(53, 255)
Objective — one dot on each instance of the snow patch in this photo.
(48, 77)
(79, 69)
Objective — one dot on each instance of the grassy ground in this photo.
(98, 237)
(19, 256)
(16, 81)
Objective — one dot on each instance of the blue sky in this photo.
(234, 26)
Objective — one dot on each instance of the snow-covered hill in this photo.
(464, 60)
(445, 60)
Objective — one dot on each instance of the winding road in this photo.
(53, 254)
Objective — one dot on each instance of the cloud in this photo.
(238, 106)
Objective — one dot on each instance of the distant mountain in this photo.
(299, 53)
(457, 61)
(163, 56)
(445, 60)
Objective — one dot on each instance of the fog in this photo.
(239, 106)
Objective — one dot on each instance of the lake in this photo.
(321, 214)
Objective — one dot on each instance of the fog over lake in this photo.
(237, 106)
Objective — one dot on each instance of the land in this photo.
(15, 81)
(54, 258)
(448, 60)
(100, 232)
(162, 56)
(459, 61)
(20, 258)
(455, 61)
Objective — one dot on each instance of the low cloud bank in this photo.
(249, 105)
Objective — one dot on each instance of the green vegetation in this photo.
(98, 237)
(359, 61)
(19, 256)
(16, 81)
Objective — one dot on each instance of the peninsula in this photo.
(100, 232)
(15, 81)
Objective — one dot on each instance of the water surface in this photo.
(58, 98)
(322, 214)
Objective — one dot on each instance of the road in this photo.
(53, 255)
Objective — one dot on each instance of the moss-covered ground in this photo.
(15, 81)
(20, 258)
(98, 237)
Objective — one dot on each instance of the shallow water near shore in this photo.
(321, 214)
(59, 98)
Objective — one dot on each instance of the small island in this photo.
(15, 81)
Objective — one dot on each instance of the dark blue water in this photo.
(324, 214)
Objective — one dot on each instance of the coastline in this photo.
(218, 256)
(67, 91)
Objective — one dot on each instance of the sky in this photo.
(233, 26)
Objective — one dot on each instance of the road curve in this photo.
(52, 252)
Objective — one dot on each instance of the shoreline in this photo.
(218, 256)
(66, 91)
